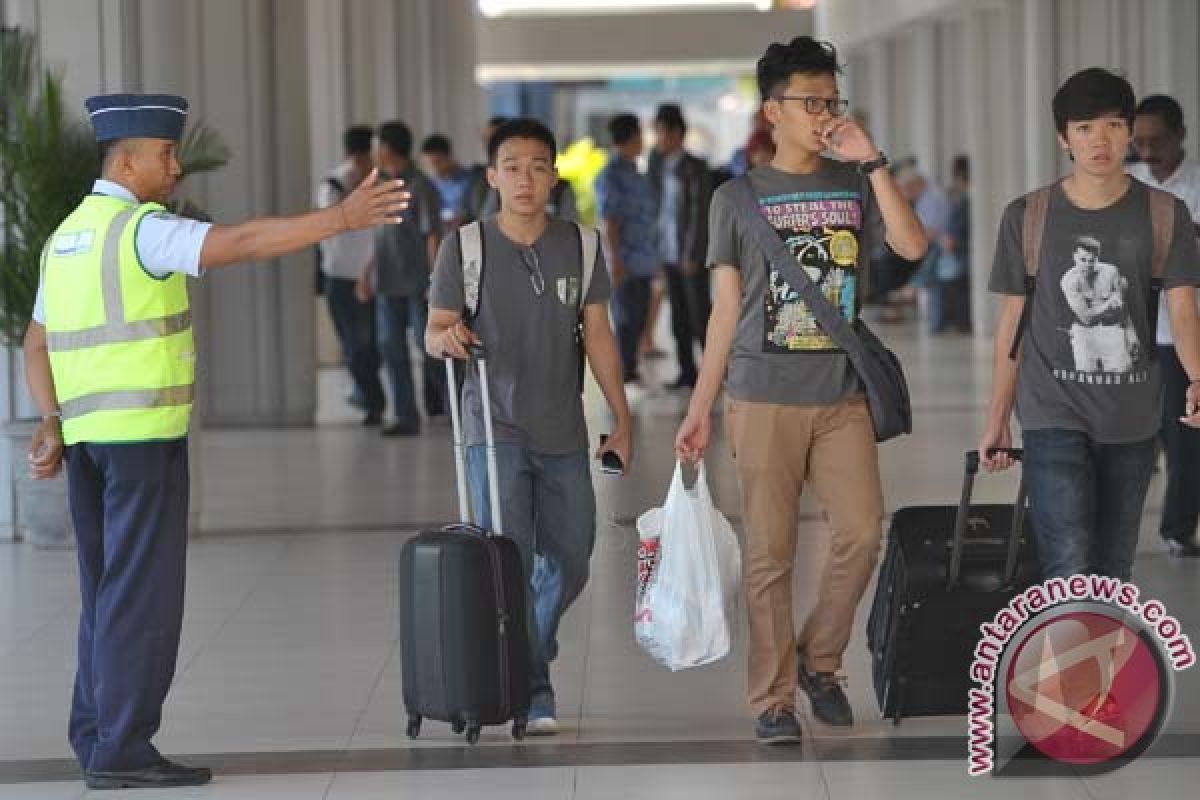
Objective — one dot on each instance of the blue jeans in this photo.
(630, 306)
(548, 508)
(355, 326)
(396, 316)
(1085, 501)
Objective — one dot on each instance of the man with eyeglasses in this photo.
(795, 410)
(532, 293)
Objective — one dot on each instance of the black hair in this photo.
(521, 128)
(1090, 94)
(1088, 243)
(670, 116)
(623, 127)
(437, 143)
(960, 167)
(357, 140)
(1164, 107)
(497, 121)
(397, 136)
(803, 55)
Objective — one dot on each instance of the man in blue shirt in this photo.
(626, 202)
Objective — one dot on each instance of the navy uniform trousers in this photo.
(129, 503)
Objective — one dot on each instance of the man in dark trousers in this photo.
(110, 363)
(682, 191)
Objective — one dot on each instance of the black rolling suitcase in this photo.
(946, 570)
(463, 637)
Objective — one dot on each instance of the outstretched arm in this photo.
(374, 202)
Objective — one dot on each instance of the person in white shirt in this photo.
(1158, 134)
(343, 259)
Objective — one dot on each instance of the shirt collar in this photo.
(112, 189)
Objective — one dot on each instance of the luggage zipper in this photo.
(501, 620)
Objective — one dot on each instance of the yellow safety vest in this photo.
(120, 339)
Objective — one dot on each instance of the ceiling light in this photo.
(497, 8)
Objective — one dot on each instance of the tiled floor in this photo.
(290, 638)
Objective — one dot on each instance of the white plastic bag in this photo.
(685, 615)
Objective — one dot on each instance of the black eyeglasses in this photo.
(815, 105)
(529, 259)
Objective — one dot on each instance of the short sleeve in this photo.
(167, 243)
(1008, 264)
(39, 306)
(600, 289)
(608, 199)
(1182, 267)
(429, 210)
(723, 242)
(446, 292)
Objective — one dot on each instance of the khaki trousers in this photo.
(777, 449)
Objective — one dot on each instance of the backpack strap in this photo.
(470, 248)
(1033, 227)
(589, 246)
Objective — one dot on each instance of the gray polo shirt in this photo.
(532, 358)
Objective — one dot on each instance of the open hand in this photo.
(374, 202)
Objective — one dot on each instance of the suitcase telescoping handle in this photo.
(964, 513)
(489, 440)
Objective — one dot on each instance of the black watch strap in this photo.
(867, 167)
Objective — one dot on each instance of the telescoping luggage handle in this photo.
(489, 440)
(964, 514)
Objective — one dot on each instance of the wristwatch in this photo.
(867, 167)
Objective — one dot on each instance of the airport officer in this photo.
(110, 364)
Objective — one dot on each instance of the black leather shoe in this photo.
(1184, 548)
(161, 776)
(373, 419)
(402, 429)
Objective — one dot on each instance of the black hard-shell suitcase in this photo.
(946, 571)
(463, 636)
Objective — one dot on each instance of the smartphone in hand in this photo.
(610, 462)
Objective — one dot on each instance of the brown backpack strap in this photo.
(1162, 224)
(1033, 226)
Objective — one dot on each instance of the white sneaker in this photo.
(542, 726)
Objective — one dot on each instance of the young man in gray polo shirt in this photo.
(526, 318)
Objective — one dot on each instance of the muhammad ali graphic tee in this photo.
(830, 222)
(1087, 360)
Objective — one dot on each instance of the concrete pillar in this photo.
(879, 96)
(1039, 86)
(922, 100)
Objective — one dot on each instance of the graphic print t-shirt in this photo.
(1087, 357)
(830, 222)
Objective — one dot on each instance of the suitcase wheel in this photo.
(473, 732)
(518, 728)
(414, 726)
(458, 726)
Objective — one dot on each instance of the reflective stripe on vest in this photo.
(116, 382)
